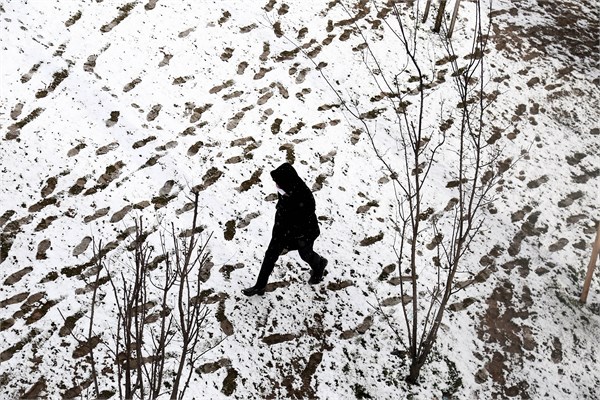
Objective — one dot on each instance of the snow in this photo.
(524, 335)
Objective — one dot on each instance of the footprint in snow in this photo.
(253, 180)
(125, 10)
(108, 148)
(232, 95)
(17, 276)
(276, 126)
(97, 214)
(131, 85)
(227, 54)
(360, 329)
(209, 178)
(266, 114)
(75, 150)
(50, 186)
(270, 5)
(195, 148)
(248, 28)
(143, 142)
(295, 129)
(119, 215)
(150, 5)
(559, 245)
(166, 59)
(241, 68)
(114, 118)
(27, 77)
(264, 56)
(82, 246)
(227, 269)
(302, 75)
(45, 223)
(40, 205)
(230, 230)
(264, 98)
(283, 9)
(198, 111)
(570, 199)
(16, 111)
(185, 33)
(290, 156)
(42, 248)
(224, 85)
(235, 120)
(247, 219)
(262, 72)
(183, 79)
(224, 18)
(211, 367)
(153, 113)
(189, 131)
(224, 322)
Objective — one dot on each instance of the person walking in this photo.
(296, 228)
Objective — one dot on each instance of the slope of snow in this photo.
(107, 118)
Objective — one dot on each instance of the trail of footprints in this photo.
(313, 47)
(35, 306)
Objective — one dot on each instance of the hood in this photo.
(286, 177)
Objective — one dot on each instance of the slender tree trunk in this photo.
(415, 371)
(591, 267)
(454, 15)
(175, 392)
(426, 12)
(440, 16)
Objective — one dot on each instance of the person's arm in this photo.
(281, 227)
(306, 203)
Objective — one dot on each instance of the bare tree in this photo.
(471, 157)
(132, 309)
(159, 314)
(186, 261)
(415, 89)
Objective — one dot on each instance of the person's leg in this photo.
(271, 255)
(305, 249)
(316, 262)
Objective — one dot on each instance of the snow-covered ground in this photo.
(113, 110)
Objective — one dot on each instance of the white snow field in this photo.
(111, 111)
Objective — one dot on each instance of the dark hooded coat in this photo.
(295, 218)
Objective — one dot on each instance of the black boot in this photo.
(317, 274)
(251, 291)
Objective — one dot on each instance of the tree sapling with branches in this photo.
(160, 317)
(417, 153)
